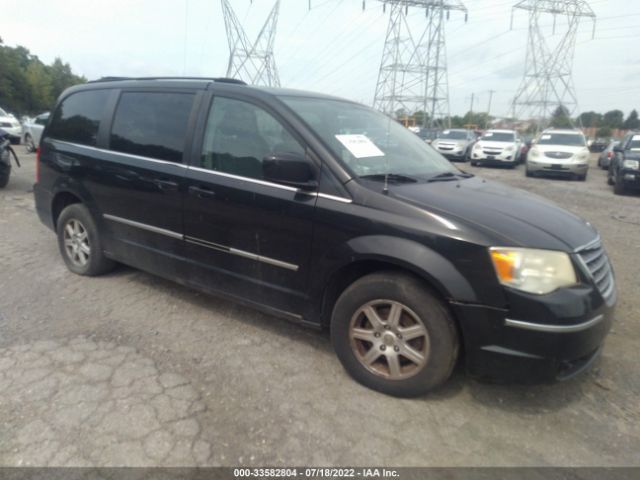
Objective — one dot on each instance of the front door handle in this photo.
(202, 192)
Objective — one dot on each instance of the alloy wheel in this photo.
(389, 339)
(76, 242)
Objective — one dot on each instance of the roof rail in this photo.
(211, 79)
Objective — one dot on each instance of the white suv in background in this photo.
(497, 147)
(559, 152)
(11, 125)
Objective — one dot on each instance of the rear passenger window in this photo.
(238, 137)
(77, 119)
(152, 124)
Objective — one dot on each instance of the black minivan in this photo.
(328, 213)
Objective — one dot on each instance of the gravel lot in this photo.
(129, 369)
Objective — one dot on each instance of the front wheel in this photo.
(619, 187)
(393, 335)
(80, 243)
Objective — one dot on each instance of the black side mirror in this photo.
(289, 168)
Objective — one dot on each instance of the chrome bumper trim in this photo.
(539, 327)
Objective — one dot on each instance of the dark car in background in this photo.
(428, 134)
(624, 169)
(604, 159)
(598, 145)
(322, 211)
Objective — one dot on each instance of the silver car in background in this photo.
(559, 153)
(455, 144)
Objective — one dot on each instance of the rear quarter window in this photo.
(77, 118)
(152, 124)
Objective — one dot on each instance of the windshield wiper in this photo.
(446, 176)
(390, 177)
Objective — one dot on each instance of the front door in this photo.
(247, 237)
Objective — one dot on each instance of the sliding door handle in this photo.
(202, 192)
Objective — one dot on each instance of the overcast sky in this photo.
(334, 48)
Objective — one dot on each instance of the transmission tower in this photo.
(252, 62)
(413, 71)
(548, 81)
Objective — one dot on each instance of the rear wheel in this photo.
(29, 143)
(80, 243)
(393, 335)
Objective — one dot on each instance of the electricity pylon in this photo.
(548, 81)
(413, 72)
(252, 62)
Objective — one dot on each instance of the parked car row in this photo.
(624, 166)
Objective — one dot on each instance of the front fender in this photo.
(418, 258)
(353, 255)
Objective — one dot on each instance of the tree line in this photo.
(27, 85)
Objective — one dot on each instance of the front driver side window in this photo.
(238, 137)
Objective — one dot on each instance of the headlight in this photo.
(634, 164)
(583, 156)
(534, 152)
(533, 271)
(477, 146)
(510, 148)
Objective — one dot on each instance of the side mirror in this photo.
(289, 168)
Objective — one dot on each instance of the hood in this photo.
(560, 148)
(512, 216)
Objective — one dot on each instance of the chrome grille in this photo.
(598, 266)
(558, 155)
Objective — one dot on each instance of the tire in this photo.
(29, 144)
(528, 173)
(79, 242)
(582, 178)
(619, 188)
(474, 163)
(5, 173)
(435, 338)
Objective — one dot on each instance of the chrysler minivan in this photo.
(330, 214)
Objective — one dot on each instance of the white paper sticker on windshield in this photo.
(360, 146)
(545, 137)
(446, 132)
(636, 138)
(488, 134)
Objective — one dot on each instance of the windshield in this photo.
(453, 134)
(368, 142)
(498, 137)
(634, 144)
(567, 139)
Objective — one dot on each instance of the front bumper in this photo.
(538, 338)
(631, 178)
(501, 158)
(13, 132)
(452, 155)
(557, 167)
